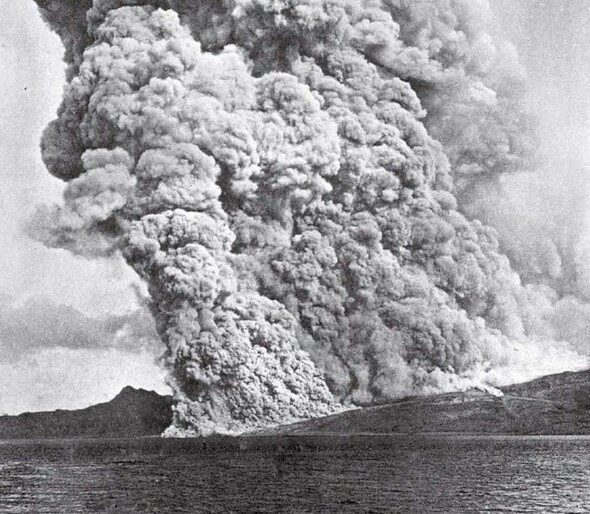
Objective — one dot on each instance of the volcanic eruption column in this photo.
(263, 167)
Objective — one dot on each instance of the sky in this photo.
(552, 38)
(43, 367)
(83, 334)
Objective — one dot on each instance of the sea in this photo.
(325, 474)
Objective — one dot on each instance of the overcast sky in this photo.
(62, 359)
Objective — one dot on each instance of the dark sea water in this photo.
(450, 474)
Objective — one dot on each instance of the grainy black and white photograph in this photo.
(295, 256)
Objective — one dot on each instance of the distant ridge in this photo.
(556, 404)
(133, 412)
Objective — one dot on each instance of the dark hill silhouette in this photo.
(133, 412)
(555, 404)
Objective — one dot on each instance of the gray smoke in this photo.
(266, 167)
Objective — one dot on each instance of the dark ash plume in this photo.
(264, 167)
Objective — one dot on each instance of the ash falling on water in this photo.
(285, 176)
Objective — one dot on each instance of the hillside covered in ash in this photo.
(552, 405)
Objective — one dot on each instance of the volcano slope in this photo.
(552, 405)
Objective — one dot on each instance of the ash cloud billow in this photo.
(269, 169)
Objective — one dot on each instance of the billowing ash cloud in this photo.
(263, 166)
(473, 90)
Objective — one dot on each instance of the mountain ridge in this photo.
(551, 405)
(131, 413)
